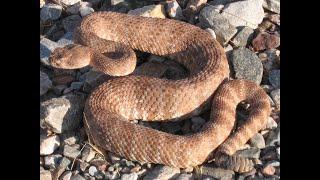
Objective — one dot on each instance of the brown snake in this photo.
(105, 41)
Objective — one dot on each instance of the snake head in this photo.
(72, 56)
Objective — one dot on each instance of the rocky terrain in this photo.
(249, 30)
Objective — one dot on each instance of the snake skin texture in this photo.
(105, 41)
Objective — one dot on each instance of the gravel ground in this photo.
(250, 32)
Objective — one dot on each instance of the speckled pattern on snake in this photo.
(105, 40)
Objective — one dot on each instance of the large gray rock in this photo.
(257, 141)
(50, 12)
(244, 13)
(72, 151)
(66, 39)
(49, 144)
(246, 65)
(210, 18)
(272, 5)
(45, 83)
(162, 172)
(63, 113)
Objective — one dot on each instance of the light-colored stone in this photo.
(88, 154)
(271, 123)
(50, 12)
(69, 2)
(209, 18)
(157, 11)
(243, 37)
(72, 151)
(63, 113)
(49, 144)
(185, 176)
(46, 48)
(275, 95)
(258, 141)
(211, 31)
(93, 170)
(85, 10)
(272, 5)
(162, 172)
(52, 160)
(131, 176)
(174, 10)
(45, 175)
(66, 175)
(42, 3)
(244, 13)
(45, 83)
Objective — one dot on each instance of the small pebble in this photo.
(268, 170)
(83, 166)
(274, 78)
(275, 95)
(243, 37)
(149, 11)
(77, 177)
(252, 152)
(271, 123)
(93, 170)
(274, 137)
(88, 154)
(85, 10)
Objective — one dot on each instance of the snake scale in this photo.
(106, 40)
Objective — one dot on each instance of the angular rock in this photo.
(157, 11)
(274, 137)
(271, 124)
(45, 83)
(49, 144)
(209, 18)
(46, 48)
(174, 10)
(69, 2)
(66, 175)
(59, 89)
(252, 152)
(193, 7)
(87, 154)
(258, 141)
(275, 95)
(45, 175)
(63, 79)
(274, 78)
(85, 10)
(131, 176)
(72, 151)
(244, 13)
(246, 65)
(64, 163)
(50, 12)
(71, 22)
(162, 172)
(243, 37)
(63, 113)
(265, 40)
(272, 5)
(52, 161)
(66, 39)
